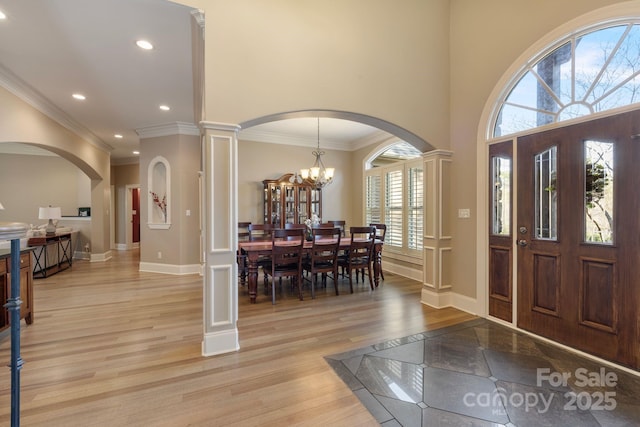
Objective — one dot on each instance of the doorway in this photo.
(132, 208)
(576, 236)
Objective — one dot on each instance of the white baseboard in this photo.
(404, 271)
(82, 255)
(106, 256)
(124, 247)
(220, 342)
(449, 299)
(179, 270)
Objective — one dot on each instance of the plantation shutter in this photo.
(393, 207)
(415, 209)
(372, 199)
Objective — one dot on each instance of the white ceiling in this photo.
(50, 49)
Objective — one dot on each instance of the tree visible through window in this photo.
(590, 72)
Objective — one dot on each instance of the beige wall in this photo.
(39, 181)
(486, 38)
(42, 181)
(186, 179)
(180, 243)
(20, 122)
(260, 161)
(381, 58)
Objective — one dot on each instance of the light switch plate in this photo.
(464, 213)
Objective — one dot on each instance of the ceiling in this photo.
(51, 49)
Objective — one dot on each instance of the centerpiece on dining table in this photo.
(314, 221)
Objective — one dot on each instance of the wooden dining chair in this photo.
(325, 225)
(286, 259)
(323, 258)
(241, 259)
(292, 226)
(381, 230)
(261, 232)
(341, 224)
(358, 256)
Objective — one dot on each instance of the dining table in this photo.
(256, 250)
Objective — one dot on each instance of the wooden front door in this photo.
(500, 231)
(578, 236)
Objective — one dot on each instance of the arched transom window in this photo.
(592, 71)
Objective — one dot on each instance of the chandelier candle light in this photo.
(318, 174)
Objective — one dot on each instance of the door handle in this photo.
(522, 242)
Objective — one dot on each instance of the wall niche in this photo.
(159, 196)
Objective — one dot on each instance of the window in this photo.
(393, 207)
(592, 71)
(394, 196)
(546, 194)
(372, 200)
(598, 192)
(414, 214)
(501, 197)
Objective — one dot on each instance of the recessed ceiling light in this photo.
(136, 152)
(117, 135)
(2, 15)
(143, 44)
(165, 108)
(79, 96)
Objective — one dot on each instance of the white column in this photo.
(220, 215)
(437, 241)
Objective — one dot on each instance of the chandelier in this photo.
(318, 174)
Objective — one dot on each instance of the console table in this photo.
(53, 253)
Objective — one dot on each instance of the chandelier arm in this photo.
(318, 175)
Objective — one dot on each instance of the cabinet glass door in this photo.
(275, 204)
(303, 208)
(315, 202)
(290, 205)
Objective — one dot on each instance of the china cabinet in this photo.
(288, 201)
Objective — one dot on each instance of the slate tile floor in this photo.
(480, 373)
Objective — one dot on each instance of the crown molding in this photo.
(125, 161)
(311, 142)
(198, 16)
(28, 94)
(226, 127)
(167, 129)
(376, 138)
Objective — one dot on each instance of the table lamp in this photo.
(50, 214)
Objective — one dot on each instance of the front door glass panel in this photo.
(598, 192)
(501, 197)
(546, 194)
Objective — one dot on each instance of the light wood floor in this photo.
(111, 346)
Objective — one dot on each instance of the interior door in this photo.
(578, 236)
(135, 214)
